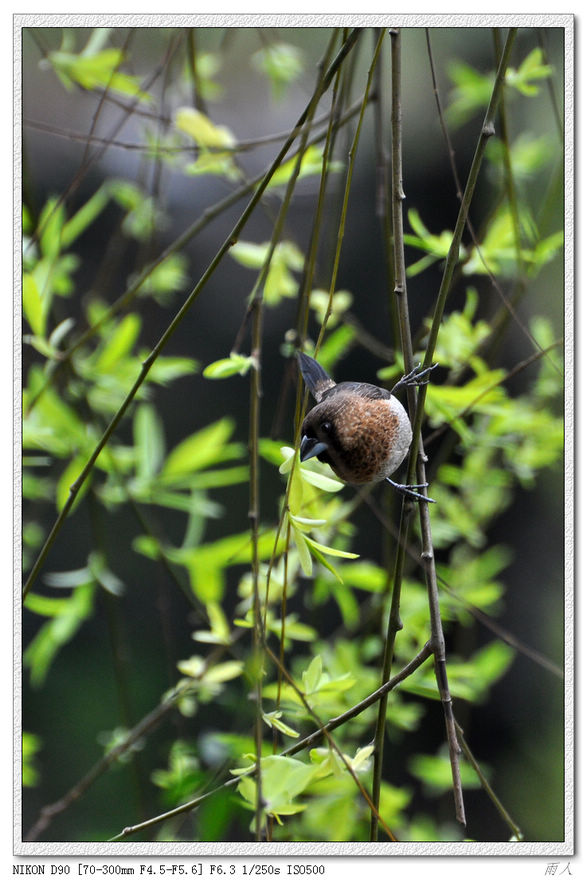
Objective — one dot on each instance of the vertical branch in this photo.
(255, 394)
(507, 165)
(349, 177)
(393, 216)
(437, 636)
(487, 130)
(304, 298)
(417, 457)
(436, 630)
(192, 65)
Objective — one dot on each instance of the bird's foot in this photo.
(409, 490)
(415, 377)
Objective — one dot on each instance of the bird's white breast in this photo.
(399, 445)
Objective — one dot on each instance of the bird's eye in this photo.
(326, 427)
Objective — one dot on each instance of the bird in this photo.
(360, 430)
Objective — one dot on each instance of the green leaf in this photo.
(119, 344)
(127, 194)
(470, 95)
(60, 332)
(336, 345)
(235, 364)
(149, 441)
(326, 563)
(170, 275)
(202, 449)
(328, 550)
(103, 575)
(250, 254)
(223, 671)
(208, 64)
(207, 563)
(361, 761)
(364, 575)
(492, 661)
(169, 368)
(285, 260)
(219, 628)
(40, 345)
(347, 603)
(182, 777)
(32, 305)
(42, 650)
(320, 480)
(303, 553)
(44, 606)
(282, 63)
(271, 450)
(306, 524)
(214, 163)
(147, 546)
(340, 302)
(31, 745)
(436, 246)
(283, 778)
(85, 216)
(435, 772)
(531, 69)
(273, 720)
(51, 222)
(98, 70)
(202, 130)
(52, 425)
(312, 676)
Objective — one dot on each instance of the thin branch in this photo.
(521, 366)
(149, 722)
(349, 177)
(91, 159)
(487, 130)
(509, 310)
(302, 745)
(394, 622)
(180, 315)
(207, 216)
(437, 637)
(514, 828)
(333, 746)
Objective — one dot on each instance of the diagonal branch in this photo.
(181, 314)
(303, 744)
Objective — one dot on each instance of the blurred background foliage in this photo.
(140, 149)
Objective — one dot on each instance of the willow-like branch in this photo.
(181, 314)
(302, 745)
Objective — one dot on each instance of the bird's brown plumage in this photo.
(362, 431)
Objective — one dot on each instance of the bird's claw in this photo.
(415, 377)
(409, 490)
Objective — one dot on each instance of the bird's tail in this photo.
(315, 377)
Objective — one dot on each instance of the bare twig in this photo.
(206, 217)
(514, 828)
(508, 311)
(394, 622)
(180, 315)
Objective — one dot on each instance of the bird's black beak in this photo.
(311, 447)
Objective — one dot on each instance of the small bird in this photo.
(362, 431)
